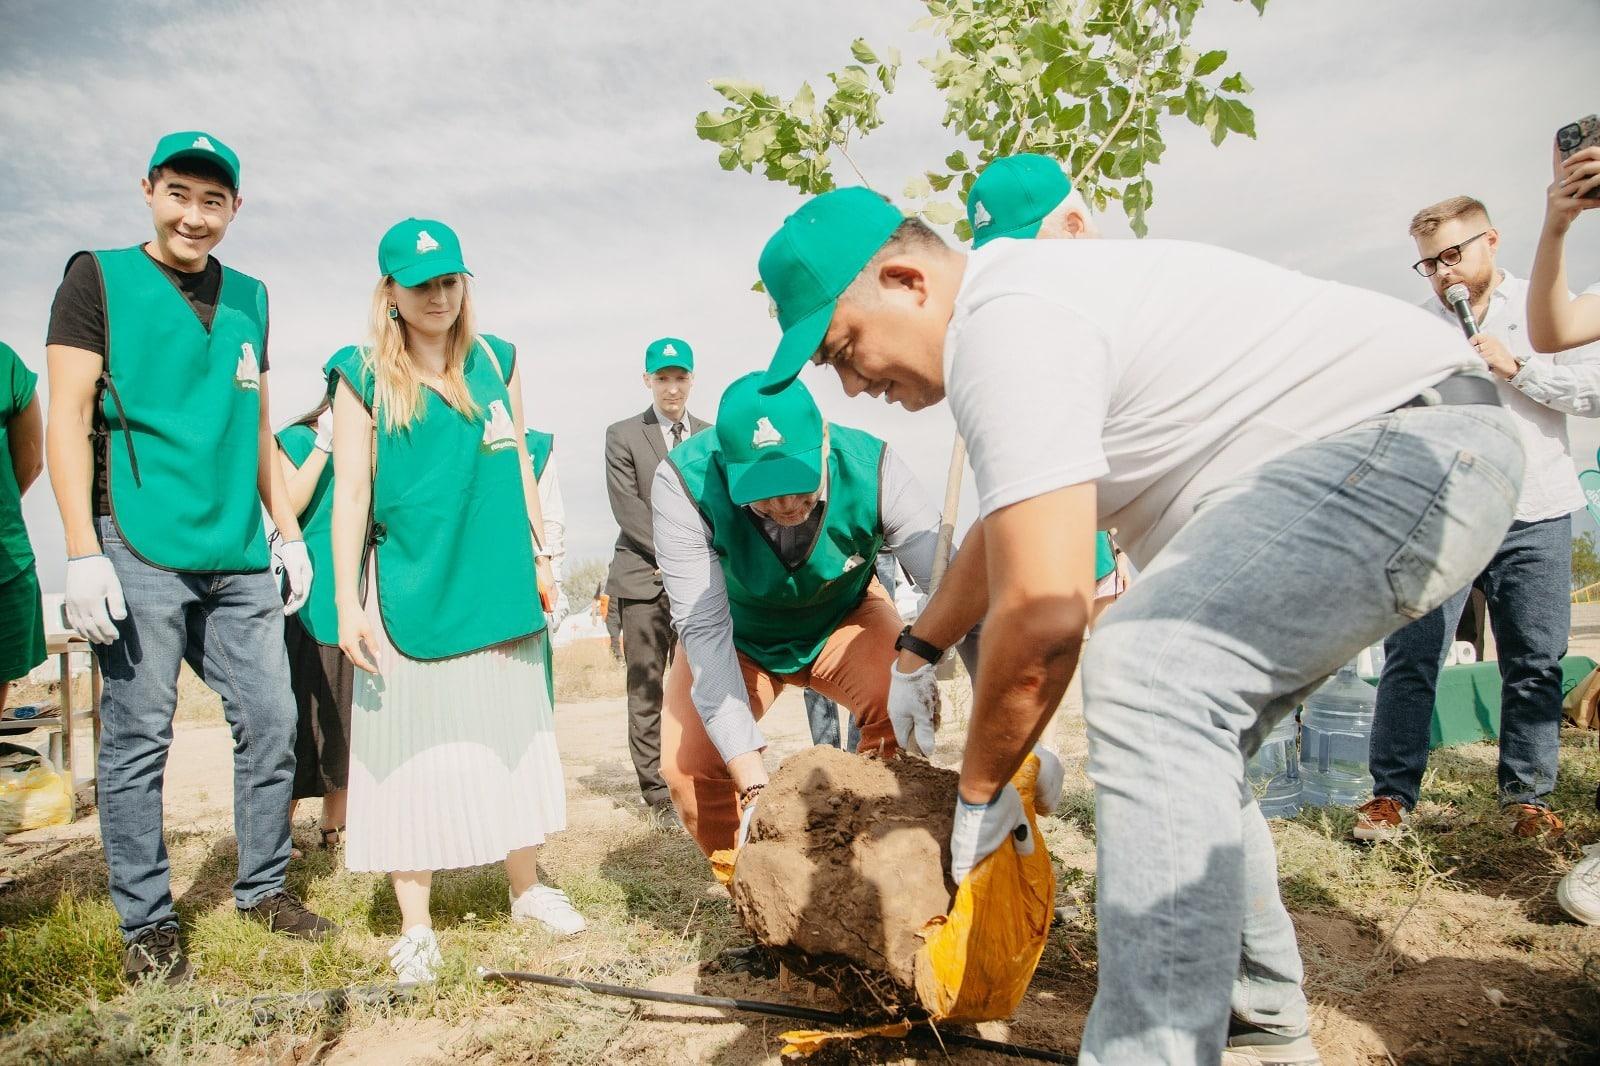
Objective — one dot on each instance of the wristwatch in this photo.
(918, 646)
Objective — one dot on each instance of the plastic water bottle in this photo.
(1335, 731)
(1275, 770)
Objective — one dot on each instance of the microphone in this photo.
(1456, 297)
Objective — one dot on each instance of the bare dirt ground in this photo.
(1468, 961)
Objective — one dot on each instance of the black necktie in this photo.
(677, 434)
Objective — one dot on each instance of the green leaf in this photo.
(759, 286)
(863, 51)
(1213, 121)
(1235, 83)
(1260, 6)
(1209, 62)
(957, 160)
(963, 229)
(918, 188)
(805, 102)
(736, 90)
(722, 128)
(728, 158)
(1237, 117)
(940, 182)
(942, 212)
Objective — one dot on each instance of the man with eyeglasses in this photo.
(1527, 583)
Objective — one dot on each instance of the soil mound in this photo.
(846, 863)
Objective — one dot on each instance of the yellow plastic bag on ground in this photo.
(980, 958)
(32, 794)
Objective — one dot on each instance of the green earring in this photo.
(394, 312)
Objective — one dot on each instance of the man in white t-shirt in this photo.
(1242, 428)
(1528, 583)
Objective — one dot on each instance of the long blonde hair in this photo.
(397, 388)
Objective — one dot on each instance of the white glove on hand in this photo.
(980, 830)
(93, 599)
(324, 441)
(297, 568)
(1047, 786)
(563, 608)
(914, 708)
(746, 816)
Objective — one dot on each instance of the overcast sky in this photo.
(558, 140)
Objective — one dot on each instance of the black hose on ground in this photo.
(754, 1006)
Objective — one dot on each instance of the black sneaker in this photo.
(154, 955)
(664, 816)
(282, 912)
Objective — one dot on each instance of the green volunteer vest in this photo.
(782, 617)
(319, 615)
(539, 445)
(183, 408)
(455, 567)
(1105, 560)
(17, 387)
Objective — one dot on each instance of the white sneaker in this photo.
(1579, 891)
(415, 957)
(541, 903)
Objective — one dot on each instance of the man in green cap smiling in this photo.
(162, 458)
(766, 532)
(1254, 436)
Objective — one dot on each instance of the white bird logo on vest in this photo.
(204, 143)
(500, 431)
(425, 243)
(980, 216)
(765, 435)
(247, 375)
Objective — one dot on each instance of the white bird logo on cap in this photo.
(765, 435)
(425, 243)
(980, 215)
(669, 350)
(205, 143)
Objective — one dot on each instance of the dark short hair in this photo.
(200, 169)
(913, 233)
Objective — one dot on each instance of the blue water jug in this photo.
(1335, 731)
(1275, 770)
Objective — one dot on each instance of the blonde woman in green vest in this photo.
(321, 676)
(21, 462)
(453, 758)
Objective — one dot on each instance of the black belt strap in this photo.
(1458, 388)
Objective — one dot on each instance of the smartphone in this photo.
(1576, 136)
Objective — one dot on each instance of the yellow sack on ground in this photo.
(32, 794)
(980, 958)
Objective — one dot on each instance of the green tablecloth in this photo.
(1467, 706)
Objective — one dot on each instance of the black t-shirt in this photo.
(78, 320)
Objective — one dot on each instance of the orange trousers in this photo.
(852, 669)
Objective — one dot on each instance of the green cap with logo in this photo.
(419, 250)
(811, 260)
(1013, 195)
(193, 144)
(771, 443)
(668, 351)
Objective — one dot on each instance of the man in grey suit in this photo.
(634, 448)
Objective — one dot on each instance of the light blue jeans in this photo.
(1281, 576)
(229, 628)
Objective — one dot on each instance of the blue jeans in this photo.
(823, 714)
(1528, 584)
(1227, 630)
(229, 628)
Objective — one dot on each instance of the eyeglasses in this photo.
(1447, 257)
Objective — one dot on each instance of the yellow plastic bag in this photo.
(980, 958)
(32, 794)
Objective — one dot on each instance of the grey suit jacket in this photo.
(634, 448)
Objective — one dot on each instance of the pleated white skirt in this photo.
(452, 763)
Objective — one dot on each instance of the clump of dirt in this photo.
(845, 864)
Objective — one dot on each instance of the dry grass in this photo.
(585, 670)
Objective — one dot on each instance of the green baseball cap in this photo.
(1013, 195)
(771, 443)
(193, 144)
(668, 351)
(812, 259)
(419, 250)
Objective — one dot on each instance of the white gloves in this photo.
(1047, 786)
(980, 830)
(324, 441)
(297, 568)
(555, 617)
(93, 599)
(914, 708)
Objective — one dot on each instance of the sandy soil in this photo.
(1488, 975)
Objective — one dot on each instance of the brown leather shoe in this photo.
(1380, 818)
(1531, 820)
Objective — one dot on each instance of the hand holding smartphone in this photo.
(1574, 138)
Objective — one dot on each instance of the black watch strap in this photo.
(918, 646)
